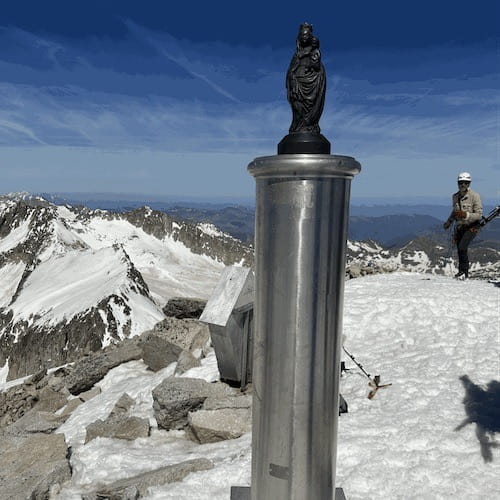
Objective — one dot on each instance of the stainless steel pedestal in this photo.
(243, 493)
(300, 243)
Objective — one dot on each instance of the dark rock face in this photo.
(183, 307)
(40, 347)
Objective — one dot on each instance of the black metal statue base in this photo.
(243, 493)
(304, 143)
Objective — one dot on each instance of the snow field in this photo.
(421, 334)
(417, 331)
(10, 277)
(16, 236)
(169, 268)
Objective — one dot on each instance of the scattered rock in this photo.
(119, 427)
(185, 362)
(37, 377)
(243, 401)
(15, 402)
(31, 465)
(36, 422)
(57, 383)
(209, 426)
(157, 351)
(50, 400)
(71, 406)
(87, 371)
(87, 395)
(184, 307)
(189, 334)
(174, 398)
(123, 405)
(136, 487)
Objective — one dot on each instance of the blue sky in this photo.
(171, 98)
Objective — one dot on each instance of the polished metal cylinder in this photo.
(300, 243)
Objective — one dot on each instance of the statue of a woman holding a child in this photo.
(306, 86)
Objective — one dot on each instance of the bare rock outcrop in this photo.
(136, 486)
(119, 424)
(209, 426)
(31, 465)
(174, 398)
(91, 369)
(189, 334)
(157, 351)
(184, 307)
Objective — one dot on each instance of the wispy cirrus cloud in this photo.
(153, 92)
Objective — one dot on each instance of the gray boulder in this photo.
(237, 401)
(123, 405)
(184, 307)
(71, 406)
(31, 465)
(118, 427)
(209, 426)
(15, 402)
(185, 362)
(35, 421)
(157, 351)
(174, 398)
(88, 395)
(87, 371)
(189, 334)
(136, 487)
(50, 400)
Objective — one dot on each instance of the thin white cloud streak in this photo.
(179, 59)
(18, 128)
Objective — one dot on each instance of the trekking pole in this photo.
(359, 365)
(374, 382)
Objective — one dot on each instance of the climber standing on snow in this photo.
(467, 211)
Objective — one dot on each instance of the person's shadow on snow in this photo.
(482, 407)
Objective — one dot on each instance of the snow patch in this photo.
(16, 236)
(4, 371)
(10, 277)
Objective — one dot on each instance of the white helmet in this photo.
(464, 176)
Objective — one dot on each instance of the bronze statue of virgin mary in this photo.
(306, 83)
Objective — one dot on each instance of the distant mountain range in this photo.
(75, 279)
(389, 225)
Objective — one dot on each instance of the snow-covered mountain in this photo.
(73, 280)
(425, 255)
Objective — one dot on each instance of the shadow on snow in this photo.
(482, 407)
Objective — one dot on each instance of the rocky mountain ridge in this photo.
(73, 280)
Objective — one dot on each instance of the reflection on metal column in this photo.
(300, 243)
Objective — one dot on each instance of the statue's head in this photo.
(305, 34)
